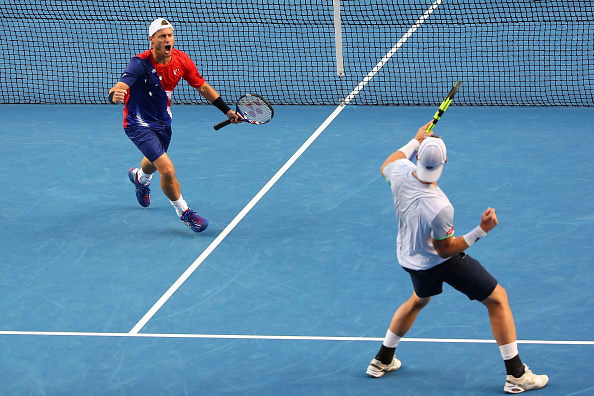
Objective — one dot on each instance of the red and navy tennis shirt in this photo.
(147, 102)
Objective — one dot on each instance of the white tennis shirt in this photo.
(423, 211)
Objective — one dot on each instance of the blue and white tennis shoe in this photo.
(143, 192)
(195, 222)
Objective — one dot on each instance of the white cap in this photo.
(430, 159)
(158, 24)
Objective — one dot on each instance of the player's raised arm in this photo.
(454, 245)
(408, 149)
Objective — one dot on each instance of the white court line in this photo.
(278, 175)
(271, 337)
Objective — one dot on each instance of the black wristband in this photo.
(111, 97)
(221, 105)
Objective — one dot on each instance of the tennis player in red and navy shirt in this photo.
(145, 88)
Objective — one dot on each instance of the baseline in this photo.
(282, 337)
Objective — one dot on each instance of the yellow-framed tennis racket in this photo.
(444, 105)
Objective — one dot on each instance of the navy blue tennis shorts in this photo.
(153, 143)
(461, 271)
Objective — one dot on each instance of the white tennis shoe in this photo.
(528, 381)
(378, 369)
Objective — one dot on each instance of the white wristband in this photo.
(474, 236)
(410, 148)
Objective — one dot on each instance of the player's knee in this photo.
(167, 174)
(500, 292)
(497, 297)
(417, 303)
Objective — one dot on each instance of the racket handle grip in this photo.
(222, 124)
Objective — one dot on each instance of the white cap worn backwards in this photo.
(430, 159)
(158, 24)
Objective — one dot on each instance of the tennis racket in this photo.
(444, 105)
(251, 108)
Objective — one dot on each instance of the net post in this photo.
(338, 38)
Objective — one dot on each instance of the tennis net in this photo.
(511, 52)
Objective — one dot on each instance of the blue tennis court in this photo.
(297, 297)
(292, 287)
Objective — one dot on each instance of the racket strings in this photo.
(255, 109)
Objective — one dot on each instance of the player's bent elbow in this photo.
(446, 248)
(444, 253)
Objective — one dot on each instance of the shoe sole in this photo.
(375, 374)
(131, 176)
(515, 389)
(202, 228)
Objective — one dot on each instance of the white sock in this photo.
(391, 340)
(143, 178)
(509, 351)
(180, 205)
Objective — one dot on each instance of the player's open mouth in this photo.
(168, 48)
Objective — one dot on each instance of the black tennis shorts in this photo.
(461, 271)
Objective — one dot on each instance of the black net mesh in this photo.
(507, 53)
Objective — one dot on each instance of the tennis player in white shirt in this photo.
(430, 252)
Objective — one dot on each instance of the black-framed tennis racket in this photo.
(444, 105)
(251, 108)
